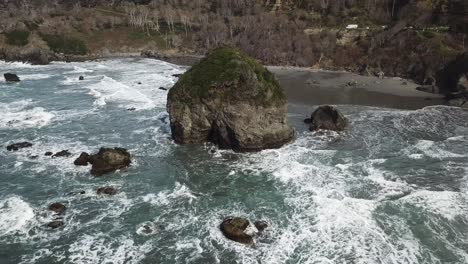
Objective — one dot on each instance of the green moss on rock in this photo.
(230, 76)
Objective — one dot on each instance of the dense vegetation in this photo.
(227, 72)
(17, 37)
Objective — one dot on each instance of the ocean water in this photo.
(392, 189)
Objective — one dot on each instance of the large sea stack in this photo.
(231, 100)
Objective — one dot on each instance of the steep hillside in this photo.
(409, 38)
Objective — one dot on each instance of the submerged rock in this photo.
(55, 224)
(107, 190)
(18, 146)
(231, 100)
(82, 160)
(163, 88)
(234, 229)
(328, 118)
(11, 77)
(57, 207)
(63, 153)
(108, 160)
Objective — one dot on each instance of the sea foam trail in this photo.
(15, 216)
(22, 114)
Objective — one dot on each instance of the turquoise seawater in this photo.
(392, 189)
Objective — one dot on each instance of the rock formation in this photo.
(18, 146)
(11, 77)
(234, 229)
(231, 100)
(327, 118)
(108, 160)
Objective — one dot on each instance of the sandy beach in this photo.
(315, 87)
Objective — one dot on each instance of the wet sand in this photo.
(309, 87)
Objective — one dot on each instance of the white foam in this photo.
(167, 197)
(100, 248)
(21, 114)
(36, 76)
(15, 216)
(78, 69)
(110, 90)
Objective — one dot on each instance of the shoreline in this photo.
(308, 86)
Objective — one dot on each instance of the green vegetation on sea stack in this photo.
(230, 74)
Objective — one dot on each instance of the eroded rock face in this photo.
(328, 118)
(231, 100)
(11, 77)
(108, 160)
(234, 229)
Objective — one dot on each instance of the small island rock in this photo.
(233, 229)
(327, 118)
(11, 77)
(57, 207)
(108, 160)
(18, 146)
(231, 100)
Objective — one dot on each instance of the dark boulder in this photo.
(107, 190)
(231, 100)
(234, 229)
(63, 153)
(55, 224)
(11, 77)
(131, 109)
(162, 88)
(48, 153)
(18, 146)
(82, 160)
(57, 208)
(81, 78)
(108, 160)
(177, 75)
(328, 118)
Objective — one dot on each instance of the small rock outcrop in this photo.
(81, 78)
(108, 160)
(11, 77)
(328, 118)
(63, 153)
(234, 229)
(231, 100)
(18, 146)
(58, 208)
(48, 153)
(82, 160)
(107, 191)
